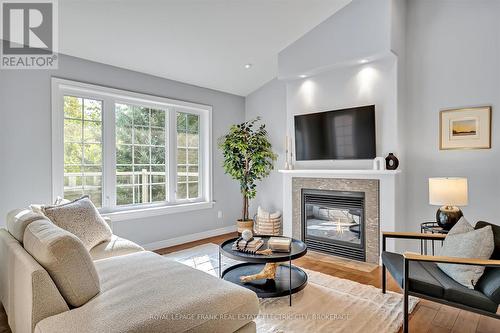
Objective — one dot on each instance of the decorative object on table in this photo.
(468, 128)
(378, 163)
(279, 244)
(255, 268)
(391, 162)
(266, 223)
(430, 227)
(247, 235)
(288, 153)
(248, 158)
(448, 193)
(251, 245)
(268, 273)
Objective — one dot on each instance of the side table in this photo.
(430, 228)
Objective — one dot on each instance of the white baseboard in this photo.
(188, 238)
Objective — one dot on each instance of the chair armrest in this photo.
(412, 235)
(411, 256)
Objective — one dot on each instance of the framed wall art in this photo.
(467, 128)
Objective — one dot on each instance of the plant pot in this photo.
(244, 224)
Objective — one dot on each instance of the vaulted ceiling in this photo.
(201, 42)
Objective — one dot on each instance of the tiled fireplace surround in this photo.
(380, 200)
(368, 186)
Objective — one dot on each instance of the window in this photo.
(129, 151)
(141, 173)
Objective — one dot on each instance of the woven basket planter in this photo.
(267, 226)
(242, 225)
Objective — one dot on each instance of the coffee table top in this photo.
(298, 249)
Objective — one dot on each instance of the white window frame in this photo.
(110, 96)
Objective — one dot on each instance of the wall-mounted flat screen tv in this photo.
(346, 134)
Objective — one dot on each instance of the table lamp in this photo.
(448, 193)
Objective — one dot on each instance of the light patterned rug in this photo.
(327, 304)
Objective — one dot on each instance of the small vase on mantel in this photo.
(391, 162)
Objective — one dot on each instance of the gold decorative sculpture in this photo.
(268, 272)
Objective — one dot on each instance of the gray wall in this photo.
(25, 143)
(269, 102)
(453, 49)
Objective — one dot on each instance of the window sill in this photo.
(138, 213)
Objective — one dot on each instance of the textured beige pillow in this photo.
(478, 244)
(19, 219)
(81, 218)
(66, 260)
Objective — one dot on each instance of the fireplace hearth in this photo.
(333, 222)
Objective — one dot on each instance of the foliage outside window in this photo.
(83, 148)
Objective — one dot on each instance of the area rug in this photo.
(327, 304)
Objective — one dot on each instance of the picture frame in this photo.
(465, 128)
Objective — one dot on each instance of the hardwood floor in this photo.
(428, 317)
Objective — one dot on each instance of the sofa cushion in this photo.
(115, 247)
(81, 218)
(145, 292)
(66, 260)
(421, 281)
(18, 220)
(473, 244)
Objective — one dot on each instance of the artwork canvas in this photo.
(468, 128)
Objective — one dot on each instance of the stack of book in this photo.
(251, 246)
(279, 244)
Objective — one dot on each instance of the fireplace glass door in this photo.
(333, 222)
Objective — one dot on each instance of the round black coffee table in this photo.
(289, 279)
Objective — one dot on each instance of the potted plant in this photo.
(248, 157)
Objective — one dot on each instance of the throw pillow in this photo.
(81, 218)
(38, 208)
(66, 260)
(460, 227)
(473, 244)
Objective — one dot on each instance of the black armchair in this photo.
(418, 275)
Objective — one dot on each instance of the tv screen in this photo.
(347, 134)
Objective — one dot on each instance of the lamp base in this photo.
(448, 216)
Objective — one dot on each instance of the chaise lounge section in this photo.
(140, 291)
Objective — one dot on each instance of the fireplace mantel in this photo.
(388, 180)
(336, 173)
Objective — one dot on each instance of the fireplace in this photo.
(333, 222)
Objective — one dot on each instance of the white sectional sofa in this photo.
(140, 291)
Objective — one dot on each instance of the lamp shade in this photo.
(448, 191)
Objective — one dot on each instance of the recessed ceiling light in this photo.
(248, 66)
(302, 76)
(363, 61)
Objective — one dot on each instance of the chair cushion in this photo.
(427, 279)
(489, 283)
(19, 219)
(145, 292)
(66, 260)
(421, 281)
(115, 247)
(81, 218)
(455, 292)
(473, 244)
(496, 235)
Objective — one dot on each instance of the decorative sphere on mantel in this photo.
(247, 234)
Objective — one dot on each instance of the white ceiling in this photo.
(201, 42)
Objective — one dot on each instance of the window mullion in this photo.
(172, 154)
(109, 154)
